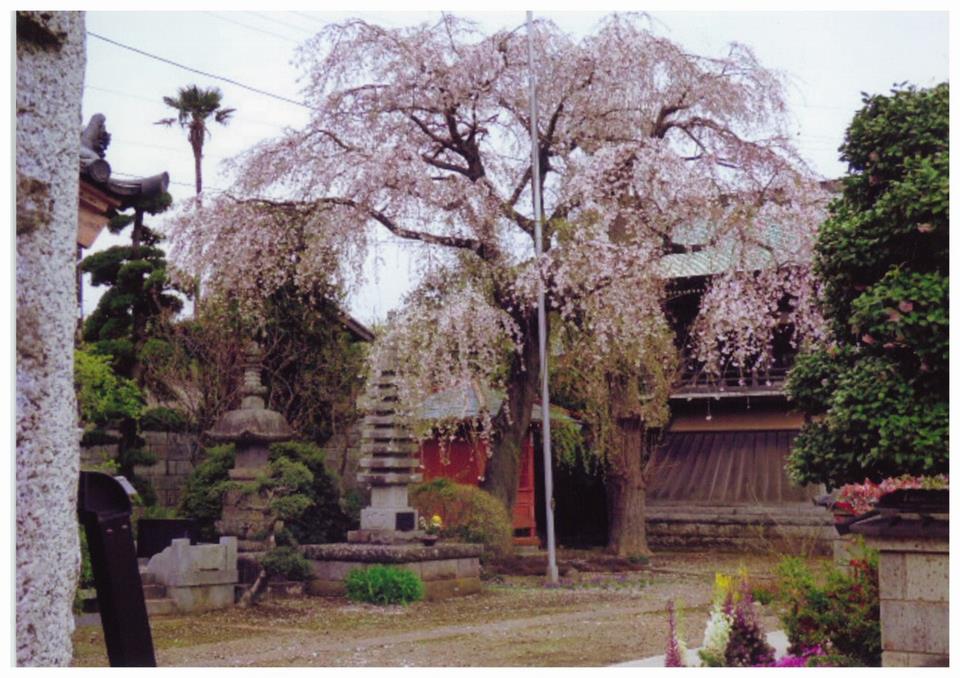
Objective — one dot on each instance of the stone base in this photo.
(447, 570)
(401, 519)
(201, 598)
(385, 537)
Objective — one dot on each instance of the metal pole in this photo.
(552, 572)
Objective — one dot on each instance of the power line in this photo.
(310, 18)
(245, 120)
(252, 28)
(282, 23)
(197, 71)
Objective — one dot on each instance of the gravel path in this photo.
(599, 620)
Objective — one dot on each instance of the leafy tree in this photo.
(140, 294)
(102, 396)
(312, 365)
(424, 132)
(139, 302)
(877, 395)
(194, 107)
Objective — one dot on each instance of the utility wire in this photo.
(245, 120)
(252, 28)
(282, 23)
(310, 18)
(198, 72)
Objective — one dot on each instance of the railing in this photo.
(733, 382)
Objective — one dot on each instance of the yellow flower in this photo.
(436, 521)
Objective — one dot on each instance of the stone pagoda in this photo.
(252, 428)
(389, 464)
(388, 533)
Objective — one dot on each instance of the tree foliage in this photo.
(195, 106)
(140, 295)
(424, 132)
(879, 393)
(102, 396)
(138, 304)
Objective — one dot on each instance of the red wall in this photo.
(465, 461)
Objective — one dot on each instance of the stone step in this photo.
(160, 606)
(378, 479)
(154, 591)
(396, 447)
(405, 462)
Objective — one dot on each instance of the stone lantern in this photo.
(252, 428)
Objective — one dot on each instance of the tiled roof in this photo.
(467, 401)
(772, 247)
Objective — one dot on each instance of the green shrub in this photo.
(287, 562)
(311, 516)
(164, 419)
(98, 436)
(841, 614)
(322, 521)
(468, 513)
(202, 497)
(383, 585)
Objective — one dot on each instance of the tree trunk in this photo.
(512, 424)
(627, 491)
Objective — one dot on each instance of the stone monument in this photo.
(388, 466)
(388, 533)
(252, 428)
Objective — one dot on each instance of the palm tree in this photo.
(194, 107)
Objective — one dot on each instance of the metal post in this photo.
(552, 572)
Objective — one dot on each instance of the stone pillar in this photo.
(50, 64)
(911, 531)
(914, 601)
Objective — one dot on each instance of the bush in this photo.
(383, 585)
(468, 513)
(287, 562)
(313, 516)
(323, 521)
(202, 497)
(842, 615)
(164, 419)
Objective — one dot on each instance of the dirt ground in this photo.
(591, 619)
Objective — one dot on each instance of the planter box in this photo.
(447, 570)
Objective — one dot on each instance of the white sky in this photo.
(829, 57)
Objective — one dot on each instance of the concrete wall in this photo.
(50, 62)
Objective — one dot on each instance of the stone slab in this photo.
(902, 659)
(386, 518)
(915, 626)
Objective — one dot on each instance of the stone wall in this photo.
(787, 528)
(49, 70)
(175, 454)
